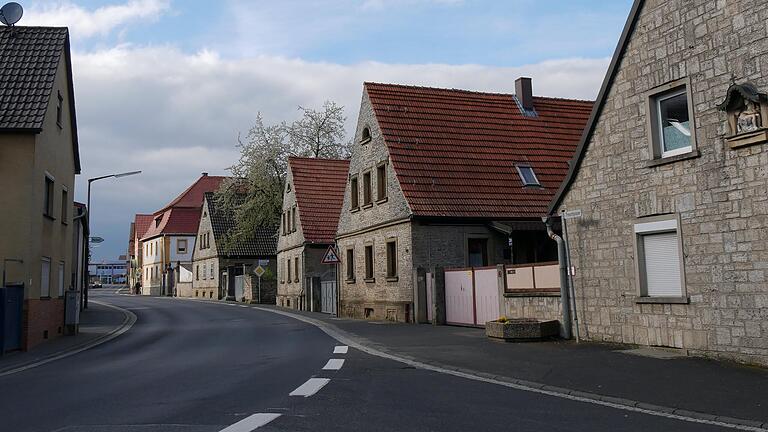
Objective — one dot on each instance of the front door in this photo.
(12, 304)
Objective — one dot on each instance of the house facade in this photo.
(138, 228)
(223, 271)
(312, 200)
(170, 239)
(39, 159)
(448, 178)
(670, 179)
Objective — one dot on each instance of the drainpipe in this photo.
(562, 259)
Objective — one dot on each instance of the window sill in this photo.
(672, 159)
(349, 281)
(382, 200)
(49, 217)
(662, 300)
(533, 293)
(367, 206)
(365, 141)
(354, 210)
(392, 278)
(45, 298)
(371, 280)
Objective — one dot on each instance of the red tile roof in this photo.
(182, 215)
(319, 185)
(139, 226)
(454, 151)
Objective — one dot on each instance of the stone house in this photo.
(670, 178)
(314, 191)
(448, 178)
(39, 159)
(228, 272)
(168, 242)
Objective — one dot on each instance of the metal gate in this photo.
(11, 309)
(471, 296)
(328, 297)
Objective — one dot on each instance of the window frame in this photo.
(367, 189)
(64, 205)
(293, 218)
(370, 265)
(289, 279)
(650, 225)
(48, 203)
(354, 192)
(45, 294)
(350, 263)
(392, 267)
(61, 282)
(487, 252)
(381, 182)
(365, 135)
(520, 167)
(653, 122)
(296, 269)
(178, 246)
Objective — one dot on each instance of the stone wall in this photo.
(542, 307)
(721, 196)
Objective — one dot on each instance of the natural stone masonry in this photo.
(721, 196)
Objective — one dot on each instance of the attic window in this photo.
(366, 136)
(527, 176)
(288, 187)
(157, 222)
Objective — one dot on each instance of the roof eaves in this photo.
(581, 149)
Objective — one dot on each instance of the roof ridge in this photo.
(316, 158)
(477, 92)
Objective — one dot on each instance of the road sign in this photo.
(572, 214)
(331, 257)
(263, 262)
(259, 271)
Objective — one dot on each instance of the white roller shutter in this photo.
(662, 265)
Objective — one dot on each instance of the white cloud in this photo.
(101, 21)
(174, 115)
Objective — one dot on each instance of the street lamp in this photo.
(90, 221)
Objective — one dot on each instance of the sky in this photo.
(167, 86)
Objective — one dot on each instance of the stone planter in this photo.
(522, 329)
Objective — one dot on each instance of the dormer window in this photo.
(366, 137)
(527, 176)
(157, 222)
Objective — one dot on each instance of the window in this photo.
(296, 269)
(367, 188)
(61, 279)
(288, 269)
(157, 221)
(366, 136)
(213, 269)
(670, 116)
(64, 205)
(354, 193)
(381, 182)
(48, 203)
(181, 246)
(350, 264)
(477, 249)
(45, 277)
(527, 176)
(659, 264)
(293, 219)
(283, 223)
(369, 263)
(392, 259)
(59, 109)
(197, 272)
(282, 274)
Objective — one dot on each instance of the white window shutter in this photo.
(662, 265)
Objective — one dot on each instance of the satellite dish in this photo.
(11, 13)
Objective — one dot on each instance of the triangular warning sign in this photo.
(331, 257)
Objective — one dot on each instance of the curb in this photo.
(128, 321)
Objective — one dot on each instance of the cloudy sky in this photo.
(166, 86)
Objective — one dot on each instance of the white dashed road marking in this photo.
(251, 423)
(334, 364)
(312, 386)
(340, 349)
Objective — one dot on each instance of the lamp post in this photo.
(90, 220)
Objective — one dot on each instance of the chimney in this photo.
(524, 92)
(205, 174)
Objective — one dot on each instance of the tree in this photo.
(254, 193)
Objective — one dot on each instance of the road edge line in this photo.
(533, 387)
(129, 319)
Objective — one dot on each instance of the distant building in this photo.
(229, 272)
(170, 239)
(109, 272)
(312, 199)
(39, 159)
(139, 226)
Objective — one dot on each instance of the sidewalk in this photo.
(97, 322)
(685, 383)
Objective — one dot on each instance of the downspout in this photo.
(562, 259)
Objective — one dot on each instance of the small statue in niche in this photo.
(746, 108)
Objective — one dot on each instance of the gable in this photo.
(318, 185)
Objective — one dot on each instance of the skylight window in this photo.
(527, 176)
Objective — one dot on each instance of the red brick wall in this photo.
(39, 316)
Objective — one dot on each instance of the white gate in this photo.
(486, 295)
(328, 297)
(459, 297)
(239, 287)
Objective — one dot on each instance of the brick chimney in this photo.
(524, 92)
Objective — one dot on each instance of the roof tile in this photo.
(319, 186)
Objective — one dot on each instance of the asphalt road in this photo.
(203, 367)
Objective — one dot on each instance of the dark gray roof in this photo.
(262, 243)
(29, 58)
